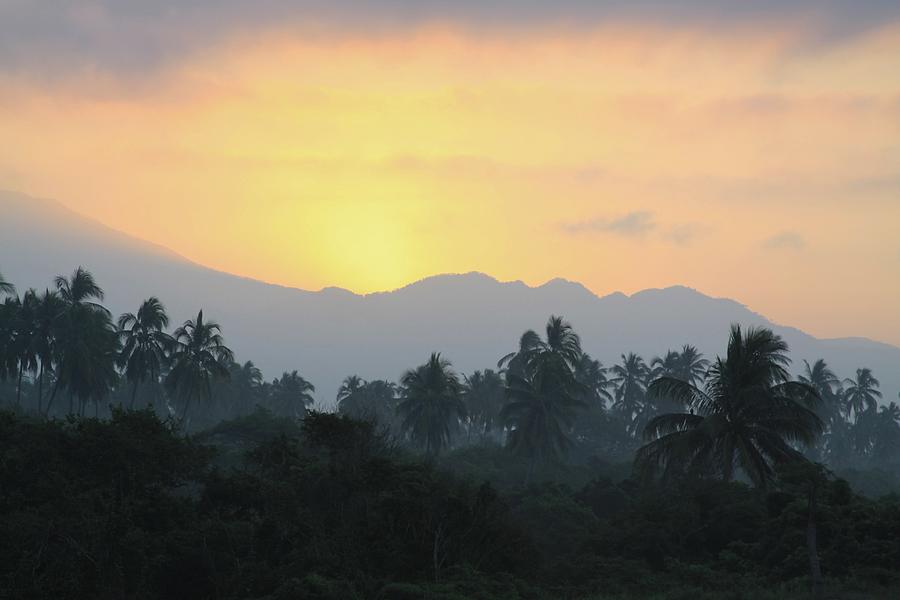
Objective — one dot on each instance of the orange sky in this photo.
(744, 162)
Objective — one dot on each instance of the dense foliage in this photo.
(550, 477)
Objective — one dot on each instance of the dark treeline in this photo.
(142, 463)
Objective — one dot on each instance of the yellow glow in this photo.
(370, 162)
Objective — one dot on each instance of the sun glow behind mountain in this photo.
(751, 160)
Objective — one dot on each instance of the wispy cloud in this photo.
(633, 224)
(125, 36)
(685, 233)
(790, 240)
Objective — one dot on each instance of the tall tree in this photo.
(247, 383)
(748, 416)
(515, 362)
(592, 377)
(291, 395)
(886, 433)
(665, 366)
(630, 379)
(86, 341)
(541, 409)
(483, 394)
(145, 344)
(861, 394)
(822, 379)
(692, 366)
(200, 357)
(25, 339)
(543, 394)
(50, 308)
(373, 401)
(9, 314)
(350, 398)
(6, 287)
(431, 404)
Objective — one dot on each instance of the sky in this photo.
(749, 150)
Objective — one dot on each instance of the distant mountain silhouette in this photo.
(471, 318)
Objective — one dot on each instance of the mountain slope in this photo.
(472, 318)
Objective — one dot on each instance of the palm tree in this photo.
(630, 379)
(86, 341)
(9, 314)
(748, 416)
(25, 340)
(431, 405)
(145, 344)
(514, 362)
(200, 357)
(861, 394)
(592, 377)
(886, 431)
(50, 307)
(692, 366)
(540, 410)
(291, 394)
(373, 401)
(351, 397)
(483, 395)
(665, 366)
(247, 383)
(80, 290)
(822, 379)
(6, 287)
(543, 392)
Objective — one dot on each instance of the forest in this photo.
(139, 459)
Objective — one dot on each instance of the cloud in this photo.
(790, 240)
(126, 36)
(633, 224)
(685, 233)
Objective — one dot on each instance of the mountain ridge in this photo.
(473, 318)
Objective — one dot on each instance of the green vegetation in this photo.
(552, 477)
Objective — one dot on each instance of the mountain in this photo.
(471, 318)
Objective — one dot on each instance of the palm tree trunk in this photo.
(815, 568)
(19, 386)
(71, 403)
(52, 398)
(41, 389)
(184, 411)
(134, 389)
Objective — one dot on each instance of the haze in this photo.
(747, 152)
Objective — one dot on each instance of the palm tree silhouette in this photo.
(886, 431)
(748, 416)
(665, 366)
(822, 379)
(592, 377)
(25, 341)
(540, 410)
(145, 344)
(431, 405)
(483, 395)
(630, 379)
(86, 341)
(692, 366)
(350, 398)
(50, 307)
(200, 356)
(861, 393)
(6, 287)
(543, 393)
(291, 394)
(247, 382)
